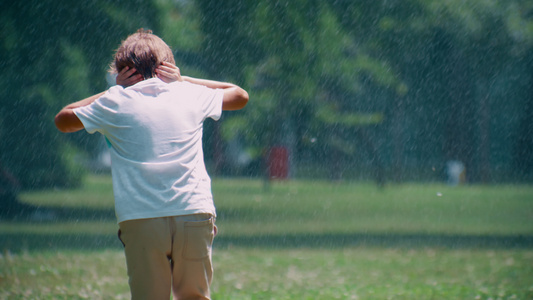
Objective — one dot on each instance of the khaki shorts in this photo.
(170, 253)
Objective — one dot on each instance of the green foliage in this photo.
(418, 81)
(350, 120)
(180, 28)
(55, 52)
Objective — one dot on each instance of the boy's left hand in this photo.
(168, 72)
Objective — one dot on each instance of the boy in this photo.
(162, 191)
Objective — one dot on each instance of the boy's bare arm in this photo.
(234, 96)
(67, 121)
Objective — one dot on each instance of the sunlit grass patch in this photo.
(373, 273)
(63, 275)
(299, 206)
(320, 213)
(255, 273)
(321, 206)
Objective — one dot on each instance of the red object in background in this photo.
(278, 162)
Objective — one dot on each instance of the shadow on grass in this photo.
(25, 214)
(17, 242)
(377, 240)
(31, 213)
(30, 242)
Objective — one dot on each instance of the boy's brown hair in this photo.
(143, 51)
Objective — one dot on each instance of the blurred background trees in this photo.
(383, 90)
(54, 52)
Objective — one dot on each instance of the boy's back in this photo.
(155, 133)
(163, 197)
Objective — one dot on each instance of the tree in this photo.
(304, 71)
(452, 57)
(55, 52)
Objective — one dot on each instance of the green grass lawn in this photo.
(257, 273)
(295, 240)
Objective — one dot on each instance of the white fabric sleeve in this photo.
(95, 115)
(87, 115)
(212, 102)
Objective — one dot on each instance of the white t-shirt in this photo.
(155, 133)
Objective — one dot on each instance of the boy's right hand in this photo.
(168, 72)
(128, 77)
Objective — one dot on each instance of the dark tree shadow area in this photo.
(415, 240)
(29, 213)
(29, 242)
(23, 214)
(17, 242)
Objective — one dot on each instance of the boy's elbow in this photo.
(60, 124)
(65, 123)
(243, 95)
(235, 98)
